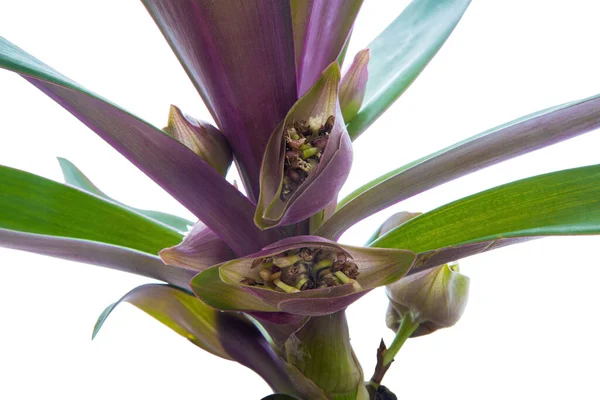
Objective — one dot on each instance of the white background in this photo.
(530, 329)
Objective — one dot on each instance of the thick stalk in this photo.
(321, 351)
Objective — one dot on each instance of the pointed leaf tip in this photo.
(103, 316)
(202, 138)
(354, 84)
(307, 158)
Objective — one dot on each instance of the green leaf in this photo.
(32, 204)
(559, 203)
(401, 52)
(74, 177)
(177, 309)
(512, 139)
(279, 396)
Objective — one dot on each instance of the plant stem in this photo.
(406, 328)
(385, 356)
(321, 351)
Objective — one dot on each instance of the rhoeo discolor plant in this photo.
(260, 276)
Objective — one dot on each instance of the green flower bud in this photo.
(435, 298)
(202, 138)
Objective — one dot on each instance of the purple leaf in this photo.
(200, 249)
(240, 57)
(316, 180)
(179, 171)
(338, 275)
(102, 254)
(320, 32)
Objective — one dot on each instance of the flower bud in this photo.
(307, 159)
(301, 275)
(202, 138)
(435, 298)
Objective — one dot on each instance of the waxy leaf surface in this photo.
(402, 51)
(228, 335)
(559, 203)
(240, 57)
(321, 29)
(32, 204)
(179, 171)
(101, 254)
(177, 309)
(512, 139)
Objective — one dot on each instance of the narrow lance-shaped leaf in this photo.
(240, 57)
(228, 335)
(173, 166)
(512, 139)
(352, 87)
(304, 275)
(307, 158)
(74, 177)
(402, 51)
(96, 253)
(321, 29)
(559, 203)
(32, 204)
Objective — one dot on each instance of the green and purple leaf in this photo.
(74, 177)
(228, 335)
(325, 180)
(179, 171)
(32, 204)
(101, 254)
(321, 30)
(515, 138)
(177, 309)
(353, 85)
(401, 52)
(240, 57)
(46, 217)
(559, 203)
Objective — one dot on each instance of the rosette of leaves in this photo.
(261, 278)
